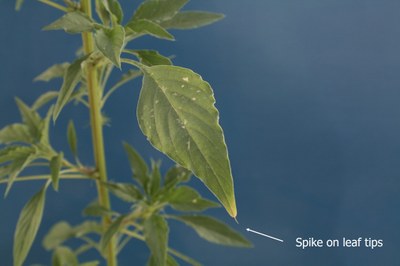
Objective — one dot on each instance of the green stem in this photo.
(170, 250)
(55, 5)
(94, 94)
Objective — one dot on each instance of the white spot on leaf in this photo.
(185, 79)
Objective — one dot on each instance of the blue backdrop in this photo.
(309, 98)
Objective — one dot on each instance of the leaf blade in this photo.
(156, 236)
(191, 20)
(72, 22)
(158, 10)
(144, 26)
(110, 43)
(55, 167)
(177, 114)
(27, 226)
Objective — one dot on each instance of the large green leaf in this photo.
(71, 78)
(144, 26)
(15, 133)
(177, 114)
(27, 226)
(214, 230)
(110, 43)
(191, 20)
(156, 236)
(55, 71)
(64, 256)
(72, 22)
(158, 10)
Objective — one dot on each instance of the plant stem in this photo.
(94, 94)
(44, 177)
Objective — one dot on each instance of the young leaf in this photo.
(55, 71)
(114, 9)
(191, 20)
(156, 237)
(64, 256)
(72, 22)
(110, 43)
(213, 230)
(27, 226)
(11, 153)
(31, 118)
(57, 234)
(90, 263)
(176, 175)
(138, 165)
(55, 167)
(18, 4)
(45, 128)
(158, 10)
(94, 209)
(72, 139)
(126, 192)
(154, 185)
(44, 99)
(150, 57)
(111, 231)
(185, 198)
(177, 114)
(144, 26)
(16, 168)
(15, 133)
(71, 78)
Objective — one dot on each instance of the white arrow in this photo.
(261, 234)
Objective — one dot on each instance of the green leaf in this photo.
(177, 114)
(57, 235)
(55, 71)
(125, 191)
(138, 165)
(150, 57)
(170, 261)
(27, 226)
(71, 79)
(72, 139)
(15, 133)
(154, 185)
(18, 4)
(45, 128)
(64, 256)
(111, 231)
(144, 26)
(156, 237)
(191, 20)
(176, 175)
(158, 10)
(73, 22)
(90, 263)
(11, 153)
(55, 167)
(185, 198)
(16, 167)
(213, 230)
(114, 9)
(44, 99)
(94, 209)
(110, 43)
(31, 118)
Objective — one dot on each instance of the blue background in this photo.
(309, 98)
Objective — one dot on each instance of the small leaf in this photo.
(114, 9)
(71, 79)
(177, 114)
(158, 10)
(94, 209)
(191, 20)
(55, 167)
(111, 231)
(18, 4)
(57, 234)
(185, 198)
(144, 26)
(11, 153)
(126, 192)
(170, 261)
(156, 237)
(110, 43)
(150, 57)
(138, 165)
(44, 99)
(72, 22)
(31, 118)
(16, 167)
(64, 256)
(45, 128)
(90, 263)
(154, 185)
(72, 139)
(27, 226)
(213, 230)
(15, 133)
(55, 71)
(176, 175)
